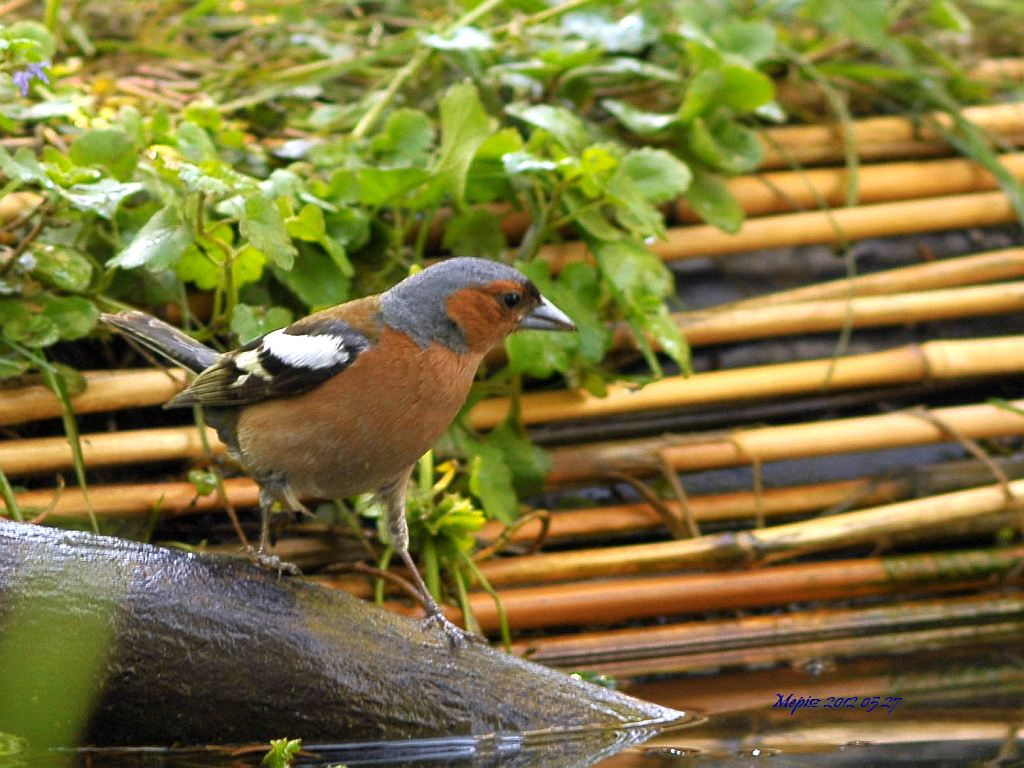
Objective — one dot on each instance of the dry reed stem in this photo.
(180, 498)
(16, 204)
(959, 271)
(582, 463)
(610, 601)
(633, 650)
(835, 227)
(880, 138)
(140, 499)
(811, 310)
(930, 361)
(104, 391)
(106, 449)
(745, 547)
(769, 321)
(778, 192)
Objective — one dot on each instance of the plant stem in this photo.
(7, 494)
(412, 67)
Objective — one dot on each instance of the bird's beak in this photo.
(547, 317)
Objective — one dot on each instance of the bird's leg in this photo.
(393, 497)
(260, 556)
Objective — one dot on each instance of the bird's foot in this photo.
(263, 559)
(457, 636)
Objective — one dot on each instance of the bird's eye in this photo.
(512, 299)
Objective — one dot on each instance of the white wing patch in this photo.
(250, 363)
(320, 351)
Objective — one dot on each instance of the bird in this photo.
(346, 400)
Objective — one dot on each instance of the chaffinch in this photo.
(346, 400)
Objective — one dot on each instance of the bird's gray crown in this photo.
(416, 306)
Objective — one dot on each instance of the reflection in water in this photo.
(959, 706)
(564, 748)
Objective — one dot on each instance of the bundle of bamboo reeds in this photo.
(944, 538)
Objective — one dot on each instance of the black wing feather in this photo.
(266, 368)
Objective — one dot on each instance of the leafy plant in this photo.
(443, 524)
(282, 753)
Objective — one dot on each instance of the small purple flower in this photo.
(23, 77)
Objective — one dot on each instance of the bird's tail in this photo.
(164, 339)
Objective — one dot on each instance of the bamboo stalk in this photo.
(179, 498)
(878, 138)
(139, 499)
(766, 321)
(104, 391)
(933, 360)
(112, 390)
(777, 192)
(990, 266)
(930, 361)
(574, 464)
(575, 524)
(838, 226)
(15, 204)
(750, 546)
(610, 601)
(48, 454)
(690, 645)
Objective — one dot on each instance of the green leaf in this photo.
(24, 167)
(475, 232)
(753, 41)
(381, 186)
(589, 217)
(490, 480)
(464, 127)
(62, 268)
(158, 245)
(32, 330)
(406, 139)
(282, 753)
(541, 354)
(102, 197)
(713, 201)
(566, 128)
(725, 145)
(638, 121)
(107, 148)
(946, 15)
(640, 283)
(732, 85)
(11, 366)
(194, 143)
(658, 175)
(308, 224)
(263, 226)
(744, 88)
(250, 322)
(72, 316)
(527, 463)
(316, 279)
(700, 94)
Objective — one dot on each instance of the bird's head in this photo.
(469, 304)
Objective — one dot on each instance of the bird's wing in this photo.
(281, 363)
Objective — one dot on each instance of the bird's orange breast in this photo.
(363, 427)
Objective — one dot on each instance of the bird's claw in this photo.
(263, 559)
(457, 636)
